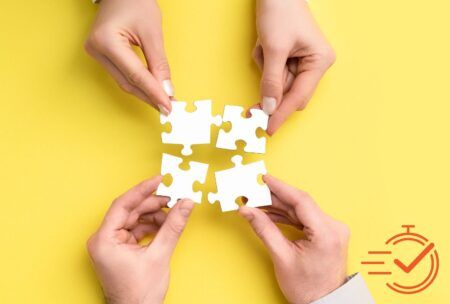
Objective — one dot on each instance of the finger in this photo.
(279, 219)
(146, 223)
(150, 205)
(289, 71)
(284, 210)
(272, 80)
(274, 210)
(306, 210)
(142, 230)
(296, 99)
(137, 74)
(167, 238)
(279, 205)
(120, 78)
(266, 230)
(157, 218)
(155, 55)
(120, 210)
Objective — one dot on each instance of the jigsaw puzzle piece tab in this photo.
(243, 129)
(189, 128)
(242, 180)
(182, 180)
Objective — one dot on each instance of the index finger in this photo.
(118, 213)
(138, 74)
(307, 211)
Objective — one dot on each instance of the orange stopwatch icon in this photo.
(417, 272)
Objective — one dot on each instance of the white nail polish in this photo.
(168, 87)
(163, 110)
(269, 104)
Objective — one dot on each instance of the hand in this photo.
(292, 54)
(128, 272)
(120, 24)
(306, 269)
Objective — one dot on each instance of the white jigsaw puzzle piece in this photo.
(189, 128)
(242, 180)
(182, 180)
(243, 129)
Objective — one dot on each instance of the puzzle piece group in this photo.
(193, 128)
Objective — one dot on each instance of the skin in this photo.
(292, 54)
(129, 272)
(306, 269)
(118, 26)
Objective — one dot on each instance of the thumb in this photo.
(167, 238)
(266, 230)
(272, 80)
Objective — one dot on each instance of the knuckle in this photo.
(116, 201)
(92, 244)
(328, 57)
(302, 101)
(88, 47)
(276, 49)
(126, 87)
(338, 236)
(98, 38)
(301, 106)
(270, 84)
(162, 66)
(259, 230)
(344, 231)
(136, 77)
(176, 227)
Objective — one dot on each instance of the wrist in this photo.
(326, 290)
(318, 291)
(111, 300)
(130, 299)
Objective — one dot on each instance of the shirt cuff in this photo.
(354, 291)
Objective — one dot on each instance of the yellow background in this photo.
(372, 147)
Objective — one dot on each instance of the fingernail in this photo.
(163, 110)
(246, 212)
(269, 104)
(186, 207)
(168, 87)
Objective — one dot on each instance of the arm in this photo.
(292, 54)
(117, 27)
(310, 269)
(131, 273)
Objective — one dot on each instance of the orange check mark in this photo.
(416, 261)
